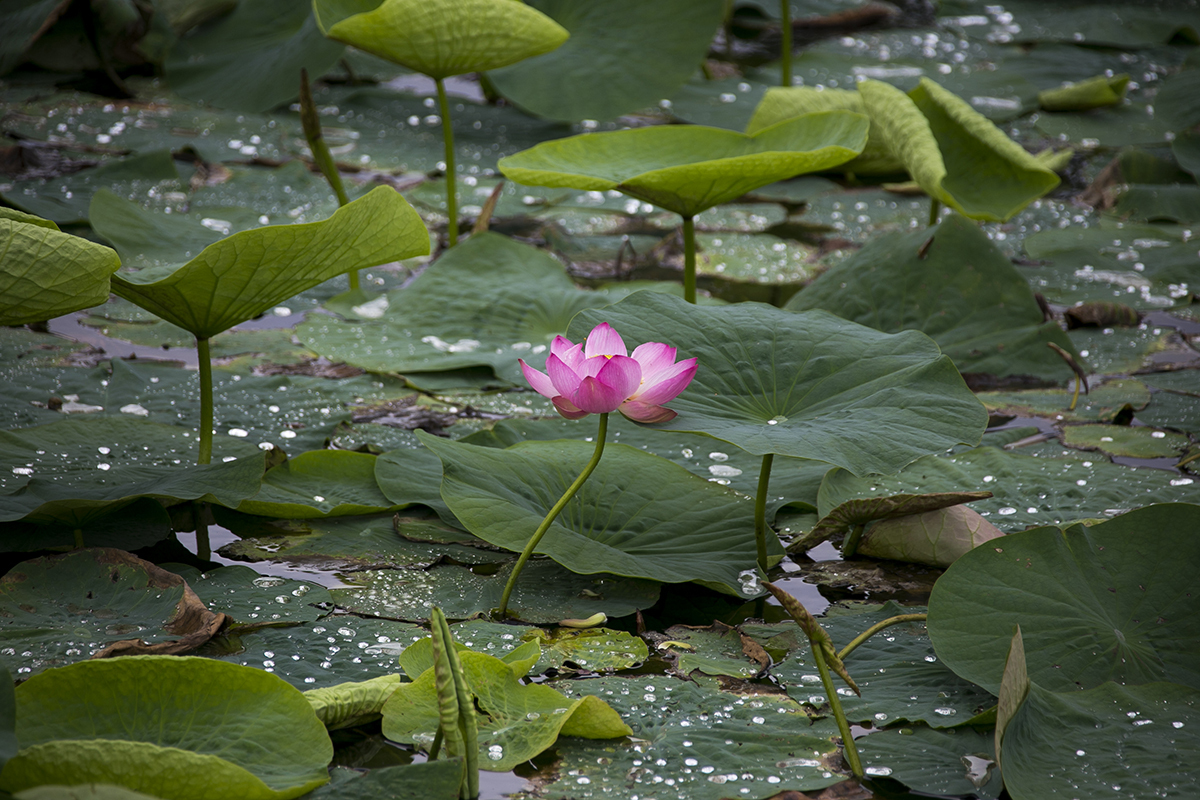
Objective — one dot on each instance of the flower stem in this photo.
(876, 628)
(553, 515)
(689, 259)
(785, 47)
(206, 402)
(760, 511)
(451, 173)
(835, 705)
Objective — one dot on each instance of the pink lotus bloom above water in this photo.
(597, 377)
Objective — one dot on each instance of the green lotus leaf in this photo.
(638, 515)
(1103, 402)
(319, 483)
(714, 650)
(77, 469)
(953, 152)
(688, 168)
(443, 37)
(937, 538)
(84, 791)
(1160, 203)
(23, 24)
(1186, 149)
(176, 728)
(428, 780)
(839, 521)
(47, 273)
(1176, 100)
(419, 657)
(1114, 740)
(1126, 441)
(252, 600)
(267, 40)
(1093, 603)
(516, 721)
(1094, 92)
(953, 761)
(785, 102)
(605, 70)
(804, 385)
(960, 290)
(349, 704)
(8, 717)
(243, 275)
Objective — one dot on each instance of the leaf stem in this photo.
(451, 172)
(206, 402)
(835, 705)
(850, 546)
(689, 259)
(876, 628)
(760, 510)
(935, 210)
(553, 515)
(311, 122)
(785, 47)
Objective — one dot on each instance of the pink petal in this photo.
(638, 411)
(567, 408)
(604, 341)
(669, 383)
(618, 377)
(540, 382)
(622, 373)
(570, 354)
(565, 379)
(654, 357)
(597, 398)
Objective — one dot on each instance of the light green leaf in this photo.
(176, 728)
(46, 273)
(937, 538)
(805, 385)
(688, 168)
(637, 515)
(243, 275)
(1094, 604)
(84, 791)
(347, 705)
(605, 70)
(1094, 92)
(319, 483)
(517, 721)
(441, 38)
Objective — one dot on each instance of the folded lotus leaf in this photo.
(936, 538)
(1095, 92)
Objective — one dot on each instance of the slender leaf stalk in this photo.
(311, 123)
(785, 47)
(78, 538)
(206, 402)
(200, 522)
(689, 259)
(451, 173)
(876, 628)
(835, 705)
(760, 510)
(850, 546)
(935, 210)
(601, 434)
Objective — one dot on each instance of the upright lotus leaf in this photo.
(805, 385)
(1014, 688)
(1092, 93)
(953, 284)
(605, 69)
(953, 152)
(46, 273)
(175, 728)
(780, 103)
(1094, 604)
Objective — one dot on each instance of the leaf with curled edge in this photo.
(840, 520)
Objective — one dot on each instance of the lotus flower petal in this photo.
(570, 354)
(638, 411)
(604, 341)
(667, 384)
(611, 386)
(655, 357)
(565, 379)
(568, 409)
(539, 380)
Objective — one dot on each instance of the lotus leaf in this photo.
(840, 520)
(1094, 92)
(251, 600)
(47, 273)
(1123, 440)
(1104, 402)
(349, 704)
(804, 385)
(177, 728)
(1160, 203)
(714, 650)
(516, 722)
(937, 538)
(960, 290)
(638, 515)
(604, 69)
(413, 475)
(1092, 604)
(1176, 100)
(23, 24)
(1098, 24)
(428, 780)
(319, 483)
(442, 38)
(951, 761)
(1186, 149)
(1118, 126)
(688, 168)
(419, 656)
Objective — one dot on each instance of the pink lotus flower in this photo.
(598, 377)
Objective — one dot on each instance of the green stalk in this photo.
(876, 628)
(451, 174)
(689, 259)
(850, 546)
(553, 515)
(78, 538)
(935, 210)
(835, 705)
(206, 402)
(760, 511)
(785, 63)
(311, 123)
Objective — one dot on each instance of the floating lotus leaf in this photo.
(959, 289)
(1094, 604)
(1124, 440)
(805, 385)
(1094, 92)
(638, 515)
(1104, 402)
(253, 600)
(245, 274)
(319, 483)
(717, 649)
(1160, 203)
(441, 38)
(176, 728)
(951, 761)
(46, 273)
(516, 722)
(606, 69)
(688, 168)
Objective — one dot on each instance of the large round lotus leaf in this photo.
(1094, 604)
(79, 468)
(46, 273)
(688, 168)
(516, 721)
(253, 600)
(805, 385)
(96, 601)
(954, 761)
(1124, 440)
(637, 515)
(245, 274)
(1127, 742)
(441, 38)
(606, 69)
(426, 780)
(265, 39)
(319, 483)
(960, 290)
(176, 728)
